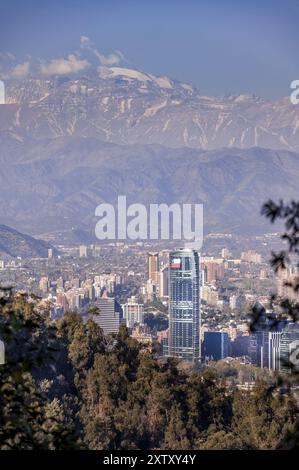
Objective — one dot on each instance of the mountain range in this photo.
(126, 106)
(68, 144)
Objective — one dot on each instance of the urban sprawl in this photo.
(178, 303)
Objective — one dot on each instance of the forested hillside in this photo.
(66, 386)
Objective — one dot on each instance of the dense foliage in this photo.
(65, 385)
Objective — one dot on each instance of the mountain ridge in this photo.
(15, 244)
(126, 106)
(70, 143)
(55, 185)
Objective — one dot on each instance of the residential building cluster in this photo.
(177, 302)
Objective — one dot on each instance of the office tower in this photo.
(289, 348)
(264, 349)
(163, 282)
(83, 251)
(2, 92)
(153, 267)
(133, 312)
(240, 346)
(216, 345)
(273, 350)
(258, 348)
(50, 253)
(2, 264)
(256, 345)
(110, 315)
(265, 345)
(184, 305)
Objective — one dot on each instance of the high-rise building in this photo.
(251, 256)
(289, 348)
(2, 353)
(287, 279)
(163, 282)
(240, 346)
(213, 269)
(83, 251)
(110, 315)
(74, 300)
(106, 281)
(184, 305)
(216, 345)
(50, 253)
(2, 92)
(225, 253)
(133, 312)
(153, 267)
(60, 283)
(149, 291)
(44, 284)
(91, 292)
(265, 347)
(260, 349)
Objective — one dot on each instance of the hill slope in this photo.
(14, 243)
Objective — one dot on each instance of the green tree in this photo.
(29, 345)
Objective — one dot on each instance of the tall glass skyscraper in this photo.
(184, 305)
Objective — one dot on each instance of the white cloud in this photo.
(7, 56)
(21, 70)
(108, 60)
(71, 64)
(84, 41)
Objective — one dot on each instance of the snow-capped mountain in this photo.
(67, 144)
(126, 106)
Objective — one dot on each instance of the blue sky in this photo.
(221, 47)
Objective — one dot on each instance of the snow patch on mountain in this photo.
(153, 109)
(126, 106)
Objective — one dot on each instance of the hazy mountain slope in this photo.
(56, 184)
(14, 243)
